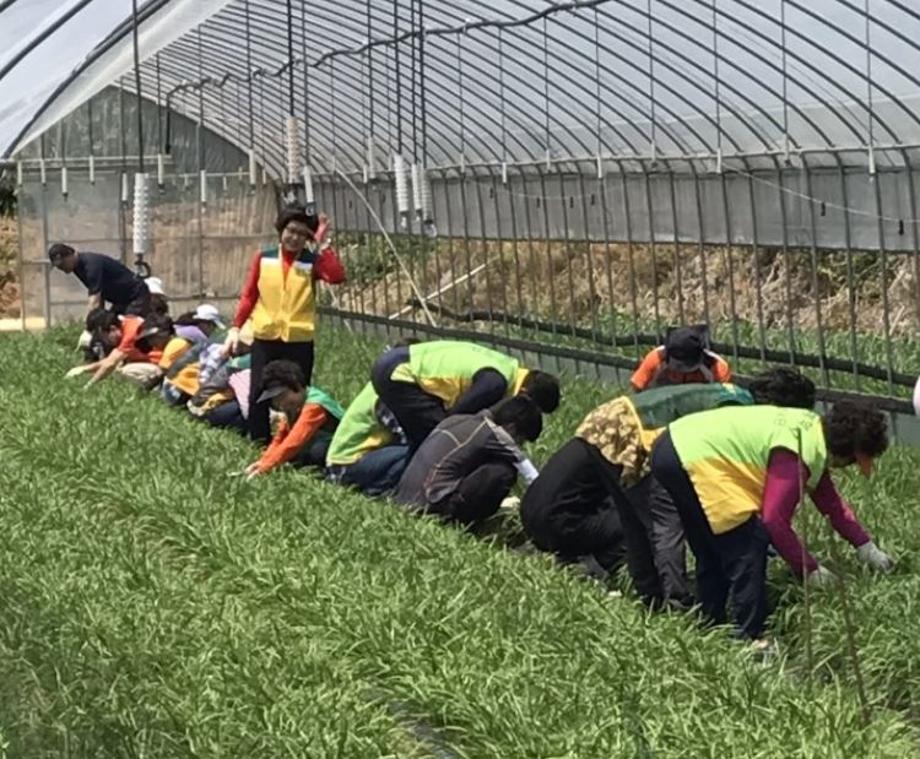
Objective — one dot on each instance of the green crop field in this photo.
(152, 606)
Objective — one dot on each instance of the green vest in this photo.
(725, 452)
(660, 406)
(322, 398)
(359, 432)
(445, 368)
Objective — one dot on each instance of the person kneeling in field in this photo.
(368, 451)
(424, 383)
(736, 476)
(310, 416)
(684, 358)
(132, 345)
(182, 356)
(595, 501)
(469, 463)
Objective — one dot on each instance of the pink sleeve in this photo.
(780, 499)
(843, 520)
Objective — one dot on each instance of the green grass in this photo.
(152, 606)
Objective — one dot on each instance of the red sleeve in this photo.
(723, 372)
(249, 295)
(286, 446)
(646, 371)
(843, 520)
(780, 500)
(328, 267)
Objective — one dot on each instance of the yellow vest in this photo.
(286, 309)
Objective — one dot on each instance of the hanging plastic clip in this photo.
(92, 169)
(64, 181)
(504, 172)
(871, 161)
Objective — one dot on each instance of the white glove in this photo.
(86, 338)
(511, 503)
(527, 470)
(232, 341)
(75, 372)
(821, 578)
(871, 554)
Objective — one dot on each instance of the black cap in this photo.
(685, 347)
(270, 392)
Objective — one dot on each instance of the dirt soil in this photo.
(10, 304)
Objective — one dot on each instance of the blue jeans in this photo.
(228, 416)
(376, 473)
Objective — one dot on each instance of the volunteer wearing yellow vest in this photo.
(736, 476)
(426, 382)
(595, 495)
(280, 296)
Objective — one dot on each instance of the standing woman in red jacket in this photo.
(279, 295)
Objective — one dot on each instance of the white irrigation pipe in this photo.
(392, 247)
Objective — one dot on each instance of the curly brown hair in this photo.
(852, 427)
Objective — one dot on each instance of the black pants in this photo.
(733, 563)
(478, 495)
(655, 550)
(417, 412)
(140, 306)
(264, 351)
(571, 510)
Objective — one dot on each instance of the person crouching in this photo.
(469, 463)
(310, 417)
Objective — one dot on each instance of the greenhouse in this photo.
(569, 183)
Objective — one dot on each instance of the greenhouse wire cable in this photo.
(741, 172)
(389, 242)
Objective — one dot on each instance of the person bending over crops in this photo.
(368, 451)
(595, 500)
(181, 361)
(310, 416)
(684, 358)
(106, 279)
(200, 325)
(222, 399)
(132, 345)
(469, 463)
(280, 296)
(422, 384)
(737, 475)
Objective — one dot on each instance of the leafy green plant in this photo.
(154, 606)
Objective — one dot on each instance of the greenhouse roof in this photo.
(475, 81)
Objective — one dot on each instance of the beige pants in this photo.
(140, 372)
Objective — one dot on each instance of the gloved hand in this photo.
(871, 554)
(231, 343)
(86, 338)
(76, 371)
(511, 503)
(821, 578)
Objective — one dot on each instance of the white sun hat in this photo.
(209, 313)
